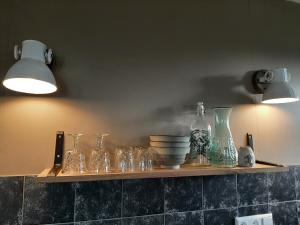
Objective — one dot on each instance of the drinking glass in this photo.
(130, 159)
(100, 157)
(74, 159)
(125, 159)
(121, 160)
(145, 159)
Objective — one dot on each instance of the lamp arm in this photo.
(48, 55)
(17, 52)
(262, 79)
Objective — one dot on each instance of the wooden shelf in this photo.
(48, 177)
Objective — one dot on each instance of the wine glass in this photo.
(74, 159)
(100, 158)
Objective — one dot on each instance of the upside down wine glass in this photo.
(74, 159)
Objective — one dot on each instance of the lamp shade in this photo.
(279, 92)
(274, 84)
(31, 74)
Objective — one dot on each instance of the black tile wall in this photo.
(145, 220)
(183, 194)
(185, 218)
(297, 181)
(219, 192)
(252, 189)
(253, 210)
(285, 213)
(100, 222)
(62, 224)
(47, 203)
(282, 186)
(172, 201)
(220, 217)
(11, 198)
(98, 200)
(143, 197)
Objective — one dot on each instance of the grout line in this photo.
(23, 197)
(67, 223)
(268, 190)
(128, 217)
(122, 196)
(283, 202)
(151, 215)
(202, 208)
(164, 186)
(191, 211)
(236, 191)
(112, 219)
(228, 208)
(74, 210)
(83, 221)
(202, 186)
(295, 182)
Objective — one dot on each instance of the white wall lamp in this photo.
(30, 74)
(274, 85)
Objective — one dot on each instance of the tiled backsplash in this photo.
(211, 200)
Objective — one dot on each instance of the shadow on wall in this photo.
(219, 90)
(222, 90)
(248, 82)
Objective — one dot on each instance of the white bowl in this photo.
(169, 138)
(161, 144)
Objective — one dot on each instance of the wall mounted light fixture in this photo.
(30, 74)
(274, 85)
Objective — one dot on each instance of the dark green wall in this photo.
(136, 64)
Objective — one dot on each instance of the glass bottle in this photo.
(223, 151)
(200, 139)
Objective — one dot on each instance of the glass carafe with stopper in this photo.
(74, 159)
(200, 139)
(100, 157)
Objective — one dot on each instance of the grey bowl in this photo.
(170, 158)
(169, 138)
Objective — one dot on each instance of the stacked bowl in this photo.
(170, 150)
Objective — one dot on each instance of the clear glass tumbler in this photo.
(100, 157)
(145, 159)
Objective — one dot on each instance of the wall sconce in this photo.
(30, 74)
(274, 85)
